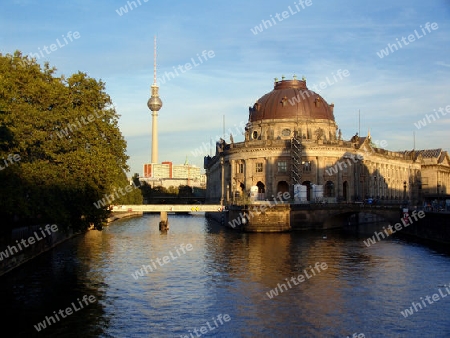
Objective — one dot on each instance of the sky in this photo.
(224, 55)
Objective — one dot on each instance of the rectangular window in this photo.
(241, 168)
(282, 167)
(259, 167)
(306, 166)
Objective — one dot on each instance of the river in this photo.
(204, 280)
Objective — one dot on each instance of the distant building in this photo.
(166, 174)
(293, 144)
(168, 170)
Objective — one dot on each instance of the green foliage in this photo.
(185, 191)
(180, 194)
(66, 133)
(172, 190)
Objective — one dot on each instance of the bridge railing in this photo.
(168, 208)
(359, 206)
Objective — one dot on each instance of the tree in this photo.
(146, 191)
(172, 190)
(72, 153)
(185, 191)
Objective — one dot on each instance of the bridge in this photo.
(274, 217)
(164, 209)
(326, 215)
(169, 207)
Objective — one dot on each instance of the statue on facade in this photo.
(319, 133)
(220, 145)
(355, 139)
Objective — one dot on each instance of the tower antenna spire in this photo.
(154, 61)
(154, 104)
(359, 122)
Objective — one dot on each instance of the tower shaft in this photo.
(154, 137)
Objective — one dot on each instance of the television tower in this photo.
(154, 104)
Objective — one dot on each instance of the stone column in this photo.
(248, 177)
(232, 179)
(270, 176)
(222, 180)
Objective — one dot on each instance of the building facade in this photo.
(168, 170)
(166, 174)
(292, 142)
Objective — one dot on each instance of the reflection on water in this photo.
(363, 289)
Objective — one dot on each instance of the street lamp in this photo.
(222, 183)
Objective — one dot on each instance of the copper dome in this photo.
(291, 99)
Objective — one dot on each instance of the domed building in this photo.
(293, 147)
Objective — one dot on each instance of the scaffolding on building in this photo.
(296, 155)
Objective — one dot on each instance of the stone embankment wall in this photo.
(123, 214)
(435, 227)
(219, 217)
(260, 217)
(13, 253)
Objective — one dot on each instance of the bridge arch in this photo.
(319, 215)
(333, 217)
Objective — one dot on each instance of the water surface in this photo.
(229, 273)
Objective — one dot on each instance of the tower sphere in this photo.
(154, 103)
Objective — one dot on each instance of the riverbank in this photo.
(434, 228)
(116, 215)
(26, 243)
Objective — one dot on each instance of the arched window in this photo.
(282, 187)
(261, 191)
(345, 191)
(329, 189)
